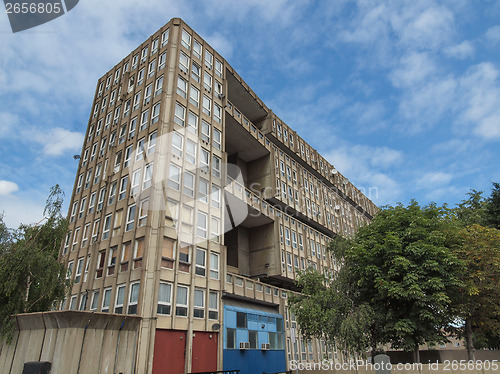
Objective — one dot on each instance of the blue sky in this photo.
(401, 96)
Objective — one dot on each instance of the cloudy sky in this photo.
(403, 97)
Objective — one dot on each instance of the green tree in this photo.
(478, 302)
(31, 277)
(404, 268)
(473, 210)
(493, 207)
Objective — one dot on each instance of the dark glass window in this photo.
(241, 320)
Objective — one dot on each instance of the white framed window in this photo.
(214, 265)
(85, 235)
(209, 58)
(133, 297)
(217, 113)
(143, 212)
(106, 300)
(216, 195)
(129, 225)
(203, 190)
(186, 39)
(207, 81)
(182, 87)
(213, 305)
(180, 114)
(217, 139)
(152, 142)
(148, 176)
(151, 68)
(177, 144)
(79, 183)
(205, 160)
(106, 227)
(162, 60)
(197, 49)
(216, 165)
(140, 149)
(191, 151)
(73, 211)
(148, 91)
(112, 193)
(72, 303)
(87, 267)
(112, 260)
(69, 272)
(184, 62)
(215, 229)
(205, 131)
(164, 37)
(201, 262)
(202, 225)
(144, 119)
(95, 230)
(181, 301)
(120, 299)
(193, 123)
(136, 177)
(158, 85)
(155, 114)
(140, 77)
(199, 303)
(123, 188)
(207, 105)
(154, 46)
(218, 68)
(164, 298)
(94, 300)
(195, 72)
(137, 100)
(174, 177)
(132, 127)
(194, 96)
(189, 179)
(144, 54)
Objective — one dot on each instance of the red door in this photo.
(169, 352)
(204, 351)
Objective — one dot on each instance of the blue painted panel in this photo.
(241, 336)
(254, 361)
(263, 337)
(230, 319)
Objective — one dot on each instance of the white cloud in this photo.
(57, 141)
(413, 69)
(7, 187)
(460, 51)
(221, 44)
(18, 210)
(8, 122)
(493, 34)
(433, 179)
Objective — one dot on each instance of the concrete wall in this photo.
(74, 342)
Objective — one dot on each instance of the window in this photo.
(199, 303)
(126, 249)
(184, 253)
(203, 190)
(152, 143)
(123, 188)
(136, 176)
(241, 320)
(182, 301)
(213, 305)
(100, 264)
(230, 338)
(164, 298)
(194, 96)
(205, 131)
(137, 101)
(94, 300)
(144, 119)
(147, 93)
(159, 86)
(112, 194)
(208, 59)
(216, 162)
(167, 254)
(154, 46)
(73, 211)
(207, 105)
(218, 68)
(207, 81)
(184, 62)
(197, 49)
(120, 298)
(140, 77)
(205, 160)
(287, 236)
(130, 218)
(79, 268)
(217, 113)
(174, 177)
(106, 298)
(151, 68)
(186, 39)
(162, 60)
(294, 239)
(189, 184)
(182, 87)
(193, 123)
(215, 229)
(79, 184)
(148, 175)
(191, 151)
(88, 178)
(140, 149)
(85, 235)
(107, 226)
(133, 297)
(217, 139)
(70, 269)
(177, 141)
(215, 196)
(72, 303)
(195, 72)
(95, 230)
(155, 115)
(143, 212)
(164, 37)
(180, 114)
(214, 265)
(112, 260)
(202, 225)
(201, 256)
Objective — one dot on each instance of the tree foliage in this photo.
(493, 207)
(31, 278)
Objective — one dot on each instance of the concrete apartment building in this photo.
(194, 207)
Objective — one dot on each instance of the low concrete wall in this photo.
(73, 341)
